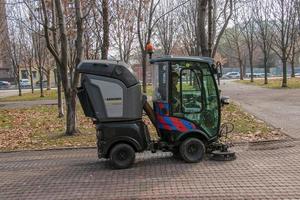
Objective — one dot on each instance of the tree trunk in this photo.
(48, 79)
(240, 62)
(144, 67)
(210, 28)
(31, 78)
(105, 14)
(241, 69)
(60, 106)
(284, 72)
(293, 68)
(59, 96)
(71, 113)
(251, 67)
(201, 33)
(18, 81)
(265, 68)
(41, 81)
(293, 61)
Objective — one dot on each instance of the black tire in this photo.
(192, 150)
(122, 156)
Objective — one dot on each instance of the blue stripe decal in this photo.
(160, 126)
(187, 124)
(169, 122)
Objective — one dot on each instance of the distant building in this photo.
(6, 68)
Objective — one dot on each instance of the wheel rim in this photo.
(192, 149)
(122, 155)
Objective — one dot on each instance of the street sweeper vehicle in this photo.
(186, 109)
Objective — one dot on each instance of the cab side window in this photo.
(187, 94)
(190, 85)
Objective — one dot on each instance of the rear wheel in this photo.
(192, 150)
(122, 156)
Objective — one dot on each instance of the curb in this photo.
(50, 149)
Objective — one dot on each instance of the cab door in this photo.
(199, 99)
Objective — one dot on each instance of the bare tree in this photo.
(16, 42)
(294, 52)
(264, 33)
(105, 16)
(61, 56)
(235, 47)
(222, 13)
(166, 26)
(29, 56)
(146, 21)
(201, 33)
(123, 28)
(144, 31)
(58, 76)
(284, 31)
(203, 23)
(187, 31)
(15, 53)
(40, 51)
(93, 36)
(248, 32)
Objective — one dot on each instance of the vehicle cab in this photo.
(186, 98)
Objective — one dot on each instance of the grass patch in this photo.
(247, 127)
(48, 95)
(293, 83)
(39, 128)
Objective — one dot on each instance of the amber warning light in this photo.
(149, 49)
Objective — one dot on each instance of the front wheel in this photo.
(192, 150)
(122, 156)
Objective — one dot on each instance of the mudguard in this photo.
(194, 133)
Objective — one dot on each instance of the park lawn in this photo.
(48, 95)
(247, 128)
(39, 128)
(293, 83)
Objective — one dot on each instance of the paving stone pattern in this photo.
(257, 173)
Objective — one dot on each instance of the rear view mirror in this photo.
(225, 100)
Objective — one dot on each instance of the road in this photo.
(267, 171)
(278, 107)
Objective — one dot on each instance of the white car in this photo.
(232, 75)
(297, 74)
(25, 83)
(4, 84)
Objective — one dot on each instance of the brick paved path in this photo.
(280, 108)
(268, 171)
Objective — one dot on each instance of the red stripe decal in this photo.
(178, 124)
(163, 123)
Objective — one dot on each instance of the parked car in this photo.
(232, 75)
(297, 74)
(45, 82)
(25, 83)
(4, 84)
